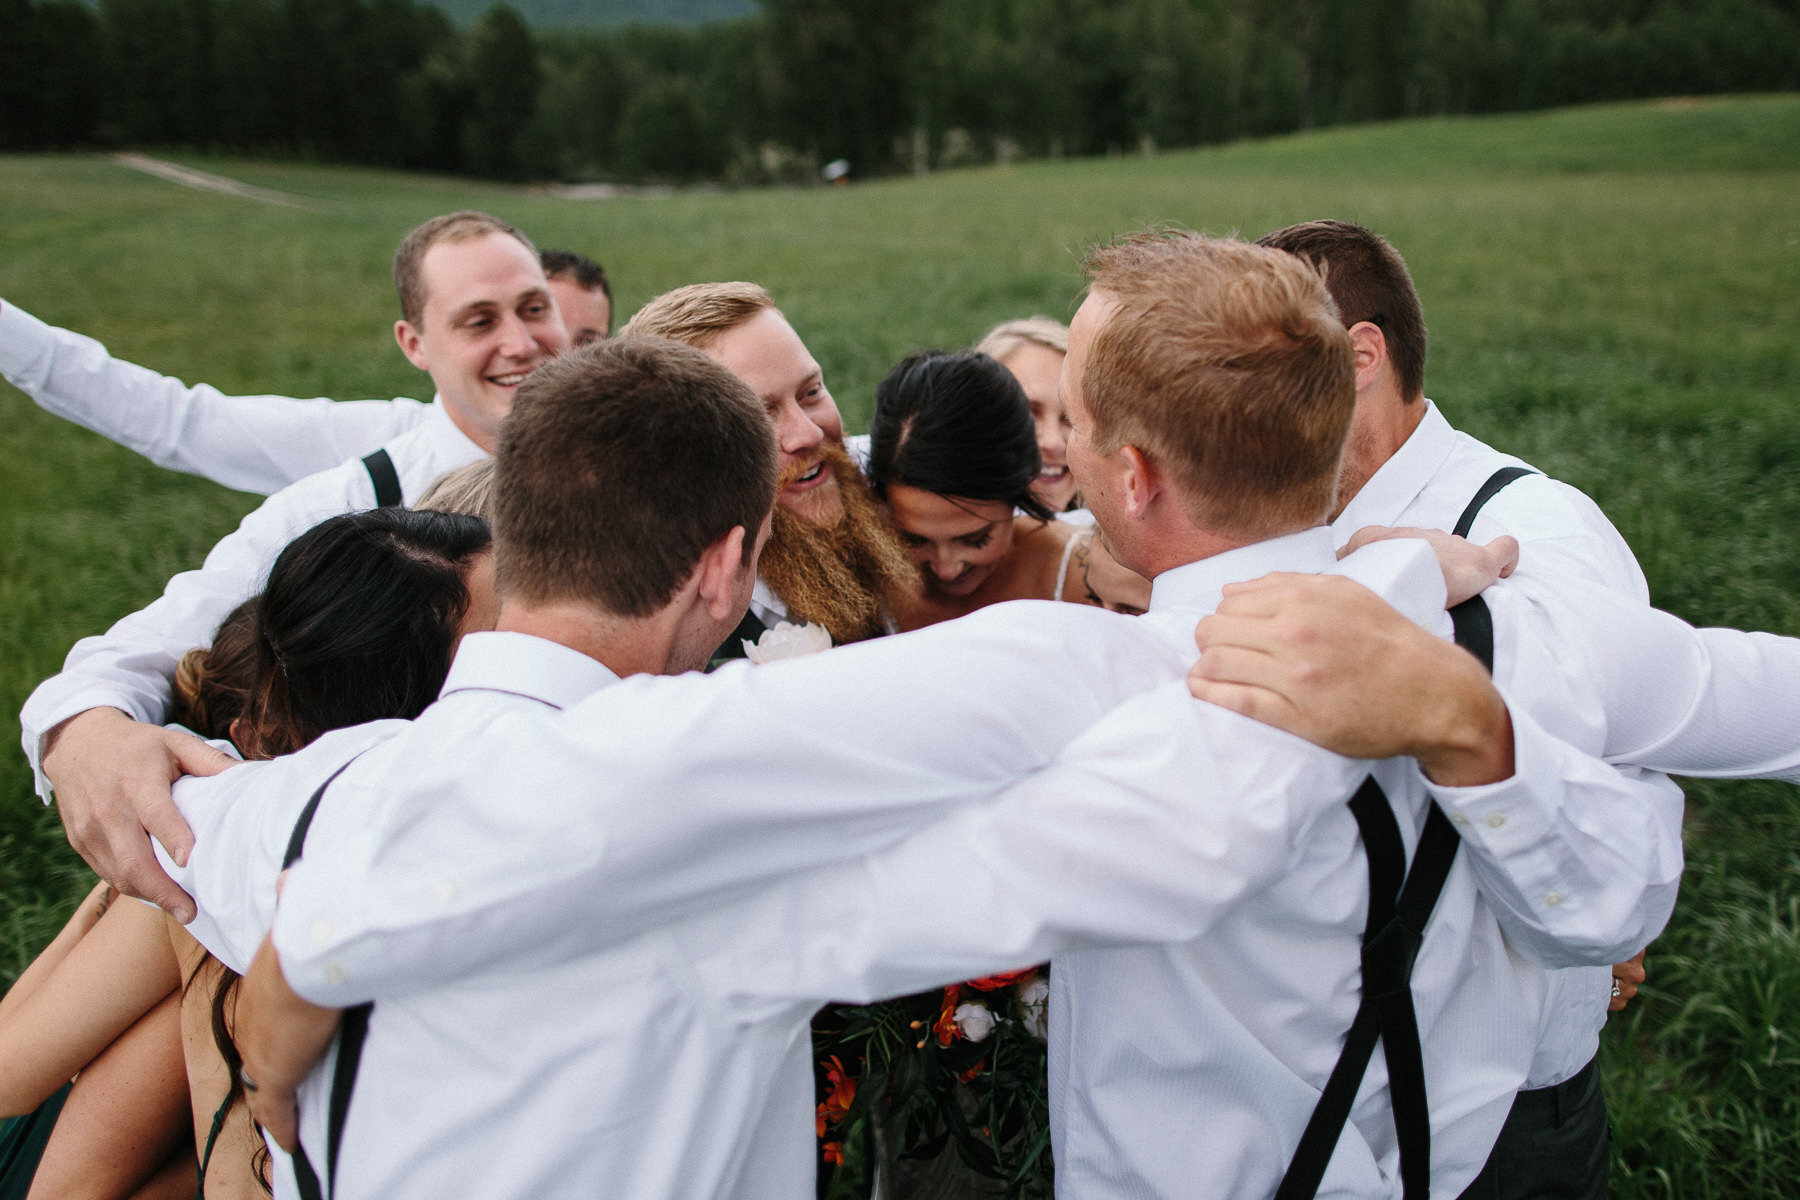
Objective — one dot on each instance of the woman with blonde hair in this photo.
(1033, 349)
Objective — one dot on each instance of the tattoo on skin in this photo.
(1083, 558)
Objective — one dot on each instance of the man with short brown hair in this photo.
(1405, 466)
(1189, 387)
(477, 316)
(590, 453)
(583, 295)
(633, 487)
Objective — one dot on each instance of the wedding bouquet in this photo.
(943, 1082)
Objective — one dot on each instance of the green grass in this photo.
(1611, 293)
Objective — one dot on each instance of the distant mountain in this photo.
(603, 14)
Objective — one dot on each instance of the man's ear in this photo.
(1139, 481)
(410, 344)
(1370, 345)
(720, 569)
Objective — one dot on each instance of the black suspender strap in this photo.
(1398, 911)
(1474, 624)
(1400, 904)
(385, 478)
(352, 1029)
(1488, 490)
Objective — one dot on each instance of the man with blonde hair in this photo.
(1198, 877)
(834, 557)
(1406, 466)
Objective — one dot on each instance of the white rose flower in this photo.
(787, 640)
(1034, 999)
(975, 1021)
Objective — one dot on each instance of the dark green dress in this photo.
(22, 1142)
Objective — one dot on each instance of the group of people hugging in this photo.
(447, 847)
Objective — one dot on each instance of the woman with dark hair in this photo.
(358, 622)
(953, 451)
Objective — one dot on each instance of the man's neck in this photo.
(1178, 549)
(481, 434)
(1384, 423)
(623, 645)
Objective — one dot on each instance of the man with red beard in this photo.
(834, 557)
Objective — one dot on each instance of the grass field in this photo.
(1612, 294)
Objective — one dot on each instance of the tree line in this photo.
(889, 85)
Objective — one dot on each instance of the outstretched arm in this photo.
(1311, 654)
(252, 443)
(1590, 675)
(657, 794)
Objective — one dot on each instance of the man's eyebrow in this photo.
(472, 306)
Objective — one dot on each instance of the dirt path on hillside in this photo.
(207, 182)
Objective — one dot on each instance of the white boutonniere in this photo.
(787, 640)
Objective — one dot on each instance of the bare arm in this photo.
(282, 1038)
(51, 957)
(126, 1118)
(1319, 656)
(120, 970)
(1468, 567)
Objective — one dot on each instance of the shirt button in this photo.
(1496, 820)
(320, 931)
(1457, 818)
(446, 891)
(335, 974)
(1553, 899)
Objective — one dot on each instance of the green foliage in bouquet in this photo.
(939, 1091)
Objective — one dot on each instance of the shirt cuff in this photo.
(51, 705)
(1512, 820)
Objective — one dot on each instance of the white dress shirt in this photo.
(130, 666)
(1187, 1068)
(1566, 542)
(255, 444)
(684, 805)
(611, 1075)
(240, 838)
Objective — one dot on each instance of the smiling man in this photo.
(477, 316)
(833, 557)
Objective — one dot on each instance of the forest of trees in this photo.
(891, 85)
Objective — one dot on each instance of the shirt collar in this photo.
(522, 665)
(1402, 477)
(769, 608)
(1200, 585)
(450, 434)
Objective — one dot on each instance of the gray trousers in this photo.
(1556, 1145)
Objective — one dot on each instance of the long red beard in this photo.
(848, 576)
